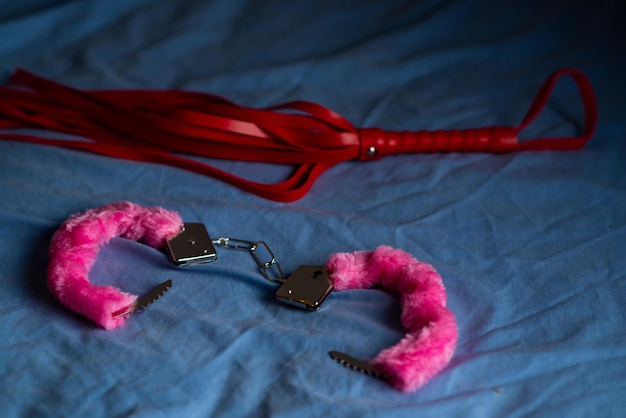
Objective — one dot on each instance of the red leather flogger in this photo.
(169, 126)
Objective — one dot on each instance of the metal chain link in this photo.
(270, 269)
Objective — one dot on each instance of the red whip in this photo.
(164, 126)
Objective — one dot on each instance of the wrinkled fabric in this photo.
(530, 245)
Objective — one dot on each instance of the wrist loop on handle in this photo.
(590, 108)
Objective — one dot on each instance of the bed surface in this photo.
(530, 245)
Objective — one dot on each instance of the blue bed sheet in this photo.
(530, 245)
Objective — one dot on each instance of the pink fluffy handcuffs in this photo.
(76, 245)
(431, 328)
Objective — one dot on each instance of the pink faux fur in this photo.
(432, 329)
(75, 247)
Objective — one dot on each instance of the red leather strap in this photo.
(167, 127)
(589, 103)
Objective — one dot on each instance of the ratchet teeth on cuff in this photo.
(144, 301)
(356, 364)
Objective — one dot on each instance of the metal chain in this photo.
(270, 269)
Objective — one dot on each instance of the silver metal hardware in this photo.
(143, 302)
(191, 246)
(356, 364)
(307, 287)
(270, 269)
